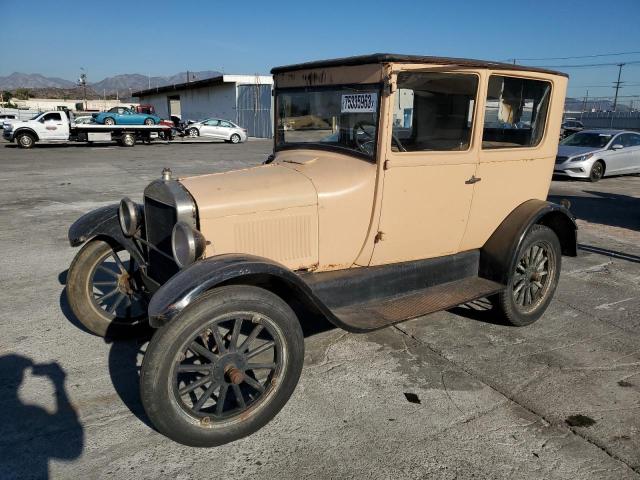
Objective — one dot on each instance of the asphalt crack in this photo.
(508, 396)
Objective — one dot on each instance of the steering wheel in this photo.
(366, 144)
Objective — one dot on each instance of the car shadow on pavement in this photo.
(480, 310)
(31, 435)
(611, 209)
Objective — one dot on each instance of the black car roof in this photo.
(393, 57)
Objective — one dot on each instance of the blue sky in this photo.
(164, 37)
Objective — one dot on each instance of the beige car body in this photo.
(319, 210)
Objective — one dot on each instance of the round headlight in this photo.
(128, 217)
(187, 244)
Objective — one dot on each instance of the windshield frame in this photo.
(378, 87)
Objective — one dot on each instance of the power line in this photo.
(588, 65)
(579, 56)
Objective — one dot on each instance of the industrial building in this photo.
(243, 99)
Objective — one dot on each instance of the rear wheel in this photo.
(128, 140)
(25, 140)
(533, 280)
(109, 121)
(235, 138)
(222, 368)
(105, 292)
(597, 171)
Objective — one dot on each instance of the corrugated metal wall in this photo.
(254, 110)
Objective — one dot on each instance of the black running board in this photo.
(381, 313)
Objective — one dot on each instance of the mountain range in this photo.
(122, 84)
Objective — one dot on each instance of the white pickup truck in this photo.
(59, 127)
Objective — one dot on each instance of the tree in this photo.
(22, 93)
(6, 95)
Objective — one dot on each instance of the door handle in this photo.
(472, 180)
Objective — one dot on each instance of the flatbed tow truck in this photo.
(58, 126)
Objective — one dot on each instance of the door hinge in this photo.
(385, 165)
(379, 237)
(472, 180)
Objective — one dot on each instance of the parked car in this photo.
(365, 229)
(7, 117)
(144, 108)
(125, 116)
(569, 127)
(594, 154)
(218, 128)
(82, 120)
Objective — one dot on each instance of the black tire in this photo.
(25, 140)
(193, 132)
(533, 280)
(109, 121)
(128, 140)
(149, 121)
(87, 282)
(175, 413)
(597, 171)
(235, 138)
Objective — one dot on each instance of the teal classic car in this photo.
(125, 116)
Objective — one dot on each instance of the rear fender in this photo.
(498, 255)
(189, 284)
(102, 223)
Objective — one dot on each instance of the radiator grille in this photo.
(159, 220)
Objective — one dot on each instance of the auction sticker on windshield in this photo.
(359, 103)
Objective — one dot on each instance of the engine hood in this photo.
(258, 189)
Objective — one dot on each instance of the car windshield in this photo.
(587, 139)
(338, 117)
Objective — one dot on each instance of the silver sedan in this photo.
(217, 128)
(594, 154)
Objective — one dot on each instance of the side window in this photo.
(433, 111)
(515, 113)
(634, 141)
(628, 140)
(212, 123)
(52, 117)
(225, 124)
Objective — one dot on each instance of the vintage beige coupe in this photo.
(398, 186)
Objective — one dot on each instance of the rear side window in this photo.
(515, 113)
(433, 111)
(225, 124)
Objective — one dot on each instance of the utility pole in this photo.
(584, 104)
(188, 80)
(82, 81)
(617, 87)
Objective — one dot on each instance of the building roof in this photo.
(392, 57)
(207, 82)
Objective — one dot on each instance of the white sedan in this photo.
(217, 128)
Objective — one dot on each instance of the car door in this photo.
(210, 128)
(225, 129)
(629, 152)
(55, 127)
(515, 164)
(634, 153)
(429, 170)
(616, 156)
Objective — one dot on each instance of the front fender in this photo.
(497, 256)
(102, 222)
(189, 284)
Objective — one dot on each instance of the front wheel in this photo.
(222, 368)
(533, 280)
(596, 172)
(149, 121)
(25, 140)
(193, 132)
(105, 292)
